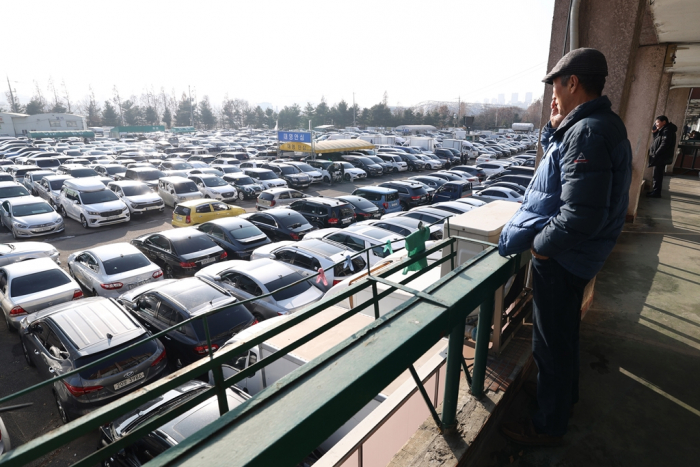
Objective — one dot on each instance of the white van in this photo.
(175, 190)
(89, 202)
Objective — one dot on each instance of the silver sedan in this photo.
(110, 270)
(250, 279)
(16, 252)
(30, 216)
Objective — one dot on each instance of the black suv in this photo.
(325, 212)
(447, 155)
(414, 164)
(411, 194)
(294, 177)
(368, 165)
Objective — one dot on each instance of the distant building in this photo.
(528, 99)
(494, 101)
(502, 99)
(13, 124)
(514, 98)
(486, 100)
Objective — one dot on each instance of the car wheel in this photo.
(61, 411)
(161, 210)
(395, 170)
(168, 272)
(94, 293)
(410, 168)
(34, 193)
(347, 177)
(63, 212)
(404, 207)
(26, 353)
(83, 222)
(14, 234)
(326, 180)
(241, 196)
(10, 327)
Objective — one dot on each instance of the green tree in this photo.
(259, 117)
(167, 118)
(341, 114)
(270, 118)
(206, 113)
(151, 116)
(58, 108)
(184, 112)
(34, 106)
(110, 117)
(93, 111)
(133, 114)
(309, 114)
(321, 112)
(289, 117)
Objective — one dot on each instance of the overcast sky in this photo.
(280, 52)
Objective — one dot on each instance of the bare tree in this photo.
(66, 96)
(118, 102)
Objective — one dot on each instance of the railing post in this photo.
(483, 336)
(455, 352)
(218, 373)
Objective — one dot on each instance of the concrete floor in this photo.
(640, 350)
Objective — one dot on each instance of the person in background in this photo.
(570, 218)
(661, 152)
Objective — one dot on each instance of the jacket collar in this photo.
(582, 111)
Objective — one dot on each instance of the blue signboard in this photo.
(294, 136)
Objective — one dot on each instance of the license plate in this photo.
(207, 260)
(137, 284)
(128, 381)
(42, 229)
(110, 218)
(179, 218)
(346, 221)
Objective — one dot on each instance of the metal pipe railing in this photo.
(36, 448)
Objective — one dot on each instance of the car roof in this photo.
(230, 222)
(7, 184)
(25, 200)
(57, 177)
(264, 269)
(326, 201)
(503, 189)
(256, 169)
(177, 234)
(123, 183)
(175, 179)
(31, 266)
(196, 202)
(92, 321)
(86, 184)
(377, 189)
(113, 250)
(277, 190)
(407, 183)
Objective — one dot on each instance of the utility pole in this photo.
(353, 109)
(12, 97)
(189, 92)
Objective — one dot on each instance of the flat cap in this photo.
(579, 62)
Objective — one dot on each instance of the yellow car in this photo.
(197, 211)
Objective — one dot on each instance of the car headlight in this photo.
(20, 226)
(125, 208)
(247, 189)
(58, 221)
(93, 213)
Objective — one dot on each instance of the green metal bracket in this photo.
(405, 288)
(426, 398)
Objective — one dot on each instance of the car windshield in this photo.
(361, 203)
(13, 192)
(193, 244)
(376, 159)
(136, 190)
(115, 170)
(410, 150)
(38, 281)
(181, 166)
(410, 157)
(290, 292)
(305, 168)
(31, 209)
(150, 175)
(268, 175)
(187, 187)
(214, 181)
(289, 170)
(47, 163)
(95, 197)
(366, 160)
(248, 231)
(225, 320)
(125, 263)
(376, 234)
(347, 165)
(244, 181)
(292, 221)
(125, 360)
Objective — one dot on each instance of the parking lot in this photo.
(42, 417)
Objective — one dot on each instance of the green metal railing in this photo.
(493, 272)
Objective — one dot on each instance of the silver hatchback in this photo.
(30, 286)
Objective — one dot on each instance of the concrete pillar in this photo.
(639, 113)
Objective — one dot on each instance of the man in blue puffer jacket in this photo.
(571, 216)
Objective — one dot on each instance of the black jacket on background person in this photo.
(662, 147)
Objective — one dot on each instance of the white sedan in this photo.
(491, 168)
(499, 193)
(110, 270)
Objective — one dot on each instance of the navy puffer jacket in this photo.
(575, 206)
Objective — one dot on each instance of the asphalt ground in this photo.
(29, 423)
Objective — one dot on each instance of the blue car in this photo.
(386, 199)
(451, 191)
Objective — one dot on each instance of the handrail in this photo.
(46, 443)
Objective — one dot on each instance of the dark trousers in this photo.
(558, 295)
(658, 179)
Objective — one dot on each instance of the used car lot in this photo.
(77, 239)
